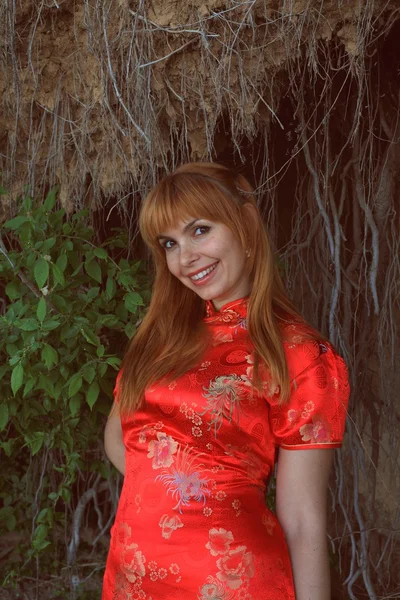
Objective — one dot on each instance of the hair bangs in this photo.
(181, 197)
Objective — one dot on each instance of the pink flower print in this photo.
(152, 565)
(190, 413)
(197, 420)
(335, 383)
(172, 385)
(268, 523)
(197, 432)
(220, 337)
(174, 568)
(307, 409)
(121, 534)
(212, 591)
(317, 432)
(161, 451)
(219, 541)
(169, 524)
(272, 388)
(292, 415)
(154, 576)
(235, 566)
(162, 573)
(220, 495)
(133, 563)
(207, 511)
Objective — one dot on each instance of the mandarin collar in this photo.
(231, 313)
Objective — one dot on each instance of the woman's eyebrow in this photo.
(186, 227)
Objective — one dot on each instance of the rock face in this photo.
(99, 96)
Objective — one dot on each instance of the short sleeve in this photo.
(315, 415)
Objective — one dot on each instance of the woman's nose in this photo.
(187, 255)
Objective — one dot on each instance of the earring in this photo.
(248, 252)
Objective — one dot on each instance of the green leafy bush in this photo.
(69, 306)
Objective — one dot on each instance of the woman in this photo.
(222, 380)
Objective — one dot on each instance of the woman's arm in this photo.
(113, 442)
(301, 495)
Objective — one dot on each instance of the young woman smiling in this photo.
(223, 381)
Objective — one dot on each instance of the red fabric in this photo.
(192, 521)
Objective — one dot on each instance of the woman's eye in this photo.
(168, 244)
(201, 229)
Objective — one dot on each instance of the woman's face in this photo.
(207, 258)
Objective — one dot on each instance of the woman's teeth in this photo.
(203, 273)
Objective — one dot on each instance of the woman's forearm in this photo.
(310, 565)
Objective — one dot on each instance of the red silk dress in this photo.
(192, 522)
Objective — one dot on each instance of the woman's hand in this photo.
(301, 494)
(113, 442)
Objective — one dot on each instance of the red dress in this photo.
(192, 523)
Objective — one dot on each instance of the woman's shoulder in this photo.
(303, 345)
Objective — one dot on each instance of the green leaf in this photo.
(132, 301)
(42, 515)
(48, 244)
(4, 415)
(12, 349)
(93, 269)
(27, 324)
(75, 404)
(100, 350)
(49, 356)
(62, 262)
(28, 386)
(49, 325)
(110, 288)
(27, 203)
(16, 222)
(88, 373)
(100, 253)
(58, 274)
(92, 293)
(50, 201)
(17, 377)
(130, 330)
(40, 533)
(12, 290)
(35, 441)
(41, 271)
(89, 335)
(75, 384)
(3, 370)
(92, 393)
(41, 310)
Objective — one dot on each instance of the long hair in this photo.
(172, 337)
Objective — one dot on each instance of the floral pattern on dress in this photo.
(128, 583)
(225, 395)
(184, 479)
(162, 450)
(235, 568)
(169, 524)
(317, 432)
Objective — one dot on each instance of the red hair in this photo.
(172, 336)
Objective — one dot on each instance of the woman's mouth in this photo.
(204, 276)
